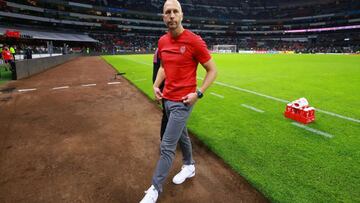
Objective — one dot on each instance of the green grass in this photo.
(286, 163)
(5, 75)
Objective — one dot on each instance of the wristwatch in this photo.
(199, 94)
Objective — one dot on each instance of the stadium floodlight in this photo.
(224, 48)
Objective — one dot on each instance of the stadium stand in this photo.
(121, 26)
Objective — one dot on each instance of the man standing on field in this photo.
(180, 52)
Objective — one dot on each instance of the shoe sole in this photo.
(190, 176)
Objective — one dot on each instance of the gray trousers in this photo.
(175, 132)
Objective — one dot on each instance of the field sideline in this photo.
(241, 119)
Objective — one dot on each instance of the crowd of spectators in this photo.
(320, 43)
(300, 47)
(141, 43)
(220, 13)
(219, 9)
(242, 9)
(126, 42)
(26, 50)
(324, 43)
(113, 40)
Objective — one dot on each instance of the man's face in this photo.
(172, 14)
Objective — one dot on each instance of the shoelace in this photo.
(184, 171)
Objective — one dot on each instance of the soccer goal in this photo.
(224, 48)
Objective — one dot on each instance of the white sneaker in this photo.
(187, 171)
(151, 195)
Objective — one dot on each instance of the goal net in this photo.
(224, 48)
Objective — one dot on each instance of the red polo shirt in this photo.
(6, 55)
(180, 57)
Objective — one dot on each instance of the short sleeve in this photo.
(201, 51)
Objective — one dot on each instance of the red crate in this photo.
(300, 111)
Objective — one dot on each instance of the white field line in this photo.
(283, 101)
(252, 92)
(113, 83)
(27, 90)
(139, 80)
(59, 88)
(141, 62)
(217, 95)
(338, 115)
(252, 108)
(313, 130)
(88, 85)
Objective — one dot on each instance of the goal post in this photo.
(224, 48)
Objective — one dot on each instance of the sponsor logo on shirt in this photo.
(182, 49)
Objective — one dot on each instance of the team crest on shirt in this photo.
(182, 49)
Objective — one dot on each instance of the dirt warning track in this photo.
(79, 135)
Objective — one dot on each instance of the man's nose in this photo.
(172, 14)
